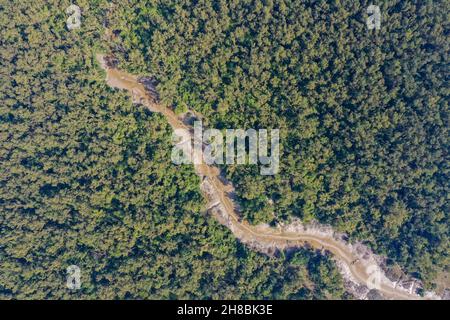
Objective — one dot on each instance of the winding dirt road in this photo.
(357, 264)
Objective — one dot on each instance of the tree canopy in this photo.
(363, 113)
(86, 179)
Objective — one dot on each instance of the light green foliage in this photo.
(86, 179)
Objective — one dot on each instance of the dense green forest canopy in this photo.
(363, 113)
(86, 180)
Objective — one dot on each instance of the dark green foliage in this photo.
(363, 114)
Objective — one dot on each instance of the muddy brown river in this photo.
(358, 265)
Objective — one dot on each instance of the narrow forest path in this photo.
(358, 265)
